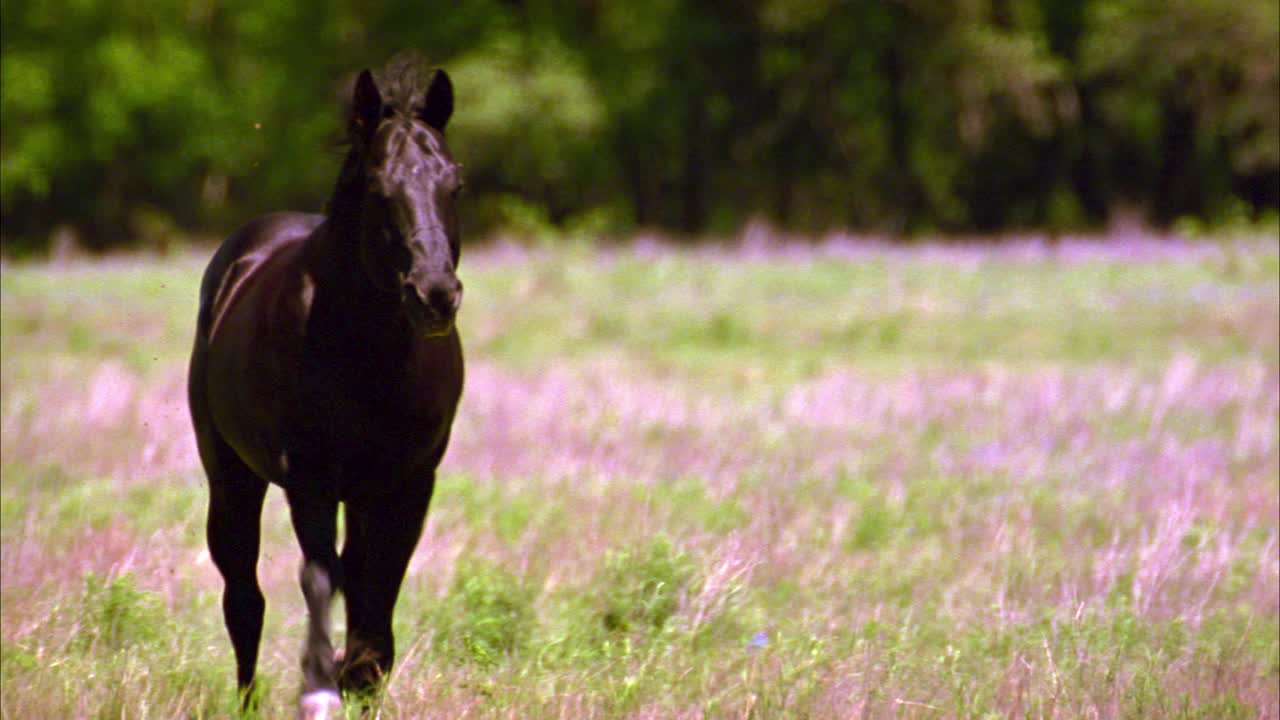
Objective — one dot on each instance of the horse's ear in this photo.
(438, 105)
(366, 106)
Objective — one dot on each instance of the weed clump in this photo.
(488, 615)
(643, 588)
(114, 614)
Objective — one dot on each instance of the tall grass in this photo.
(840, 480)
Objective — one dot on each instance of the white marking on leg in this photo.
(320, 705)
(318, 669)
(308, 292)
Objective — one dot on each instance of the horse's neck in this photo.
(335, 241)
(344, 288)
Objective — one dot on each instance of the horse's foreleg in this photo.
(381, 549)
(315, 523)
(353, 557)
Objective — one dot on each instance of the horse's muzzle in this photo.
(432, 308)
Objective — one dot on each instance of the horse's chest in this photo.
(349, 396)
(366, 424)
(307, 388)
(361, 402)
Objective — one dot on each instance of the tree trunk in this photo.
(693, 178)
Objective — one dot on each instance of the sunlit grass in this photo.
(824, 482)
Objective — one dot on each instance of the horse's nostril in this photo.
(444, 301)
(409, 290)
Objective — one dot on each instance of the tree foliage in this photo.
(901, 115)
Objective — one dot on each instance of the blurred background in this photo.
(128, 124)
(987, 439)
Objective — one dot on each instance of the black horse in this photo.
(326, 361)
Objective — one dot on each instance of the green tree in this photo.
(903, 115)
(1192, 89)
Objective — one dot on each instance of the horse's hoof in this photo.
(320, 705)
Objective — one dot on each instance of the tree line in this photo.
(127, 120)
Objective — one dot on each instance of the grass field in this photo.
(838, 481)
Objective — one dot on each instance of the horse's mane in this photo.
(403, 84)
(403, 81)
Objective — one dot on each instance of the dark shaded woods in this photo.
(126, 125)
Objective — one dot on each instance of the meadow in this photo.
(831, 480)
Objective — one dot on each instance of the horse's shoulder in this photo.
(249, 252)
(270, 234)
(284, 227)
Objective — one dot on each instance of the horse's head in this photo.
(409, 228)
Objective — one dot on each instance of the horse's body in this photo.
(326, 362)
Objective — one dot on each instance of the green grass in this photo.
(784, 320)
(907, 484)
